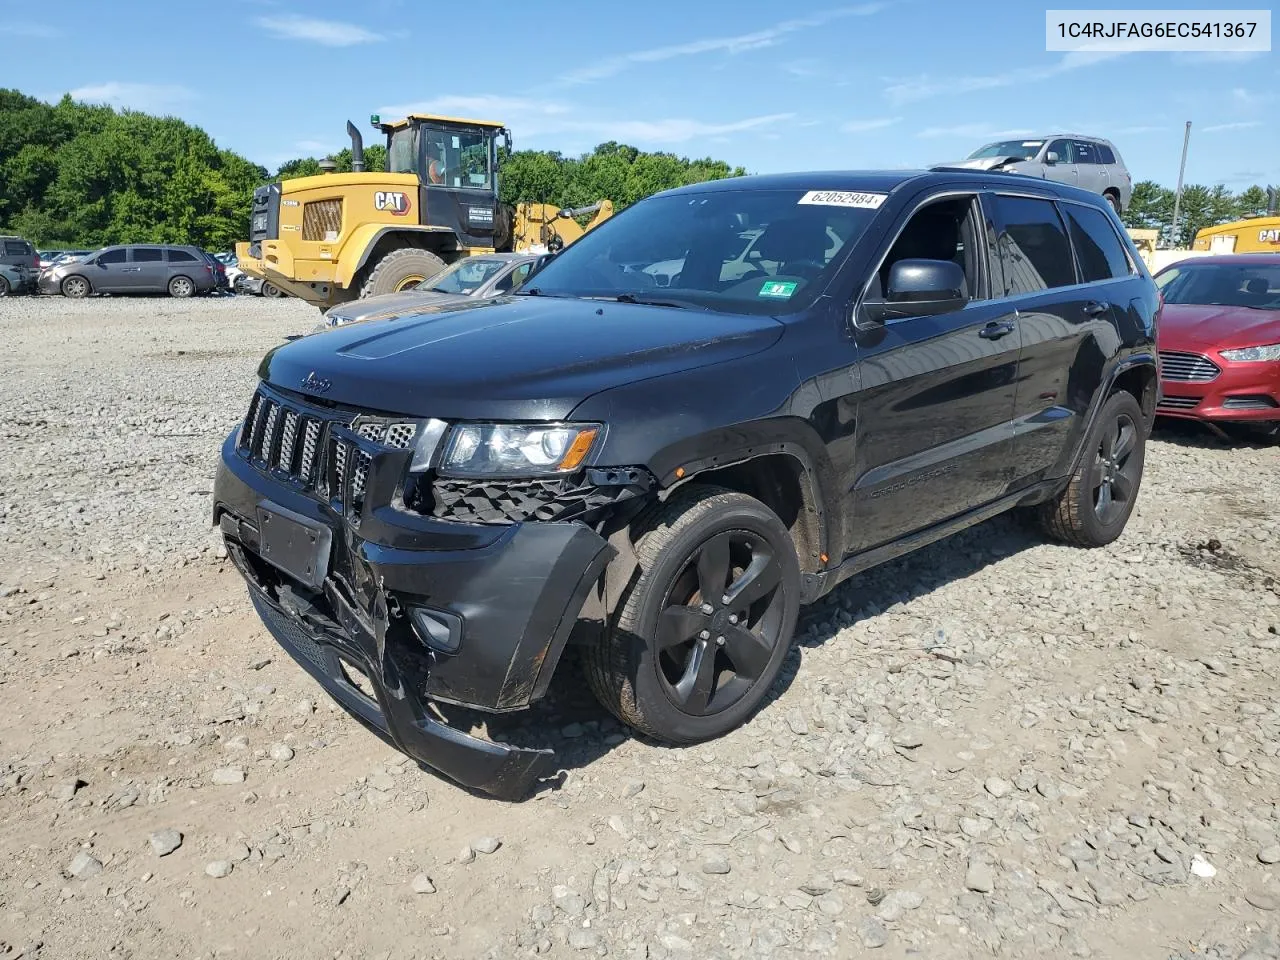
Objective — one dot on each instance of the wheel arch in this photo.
(1137, 374)
(373, 241)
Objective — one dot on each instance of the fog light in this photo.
(437, 629)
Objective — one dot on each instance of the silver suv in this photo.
(136, 268)
(1090, 163)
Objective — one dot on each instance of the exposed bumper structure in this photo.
(395, 613)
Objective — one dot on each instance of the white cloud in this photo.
(148, 97)
(39, 31)
(738, 43)
(924, 86)
(539, 118)
(971, 131)
(329, 33)
(1221, 127)
(864, 126)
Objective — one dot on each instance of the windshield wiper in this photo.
(632, 298)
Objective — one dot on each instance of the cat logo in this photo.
(396, 203)
(1269, 236)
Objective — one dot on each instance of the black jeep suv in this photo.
(700, 416)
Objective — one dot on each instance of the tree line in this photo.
(75, 174)
(1151, 207)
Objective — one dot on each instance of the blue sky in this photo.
(770, 86)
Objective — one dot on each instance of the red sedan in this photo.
(1219, 339)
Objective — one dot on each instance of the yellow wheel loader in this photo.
(338, 236)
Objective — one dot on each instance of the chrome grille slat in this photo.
(288, 437)
(310, 444)
(1187, 367)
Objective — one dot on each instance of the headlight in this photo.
(517, 450)
(1253, 354)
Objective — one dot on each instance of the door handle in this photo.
(1095, 308)
(994, 330)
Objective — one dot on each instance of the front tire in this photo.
(181, 287)
(704, 631)
(75, 288)
(1095, 506)
(271, 290)
(399, 270)
(4, 287)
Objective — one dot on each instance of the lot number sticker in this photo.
(838, 198)
(780, 289)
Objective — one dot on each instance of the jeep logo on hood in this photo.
(313, 384)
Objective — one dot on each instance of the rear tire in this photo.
(181, 287)
(272, 291)
(673, 670)
(398, 269)
(75, 288)
(1114, 200)
(1095, 506)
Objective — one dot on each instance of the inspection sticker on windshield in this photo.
(780, 289)
(839, 198)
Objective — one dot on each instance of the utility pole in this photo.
(1177, 197)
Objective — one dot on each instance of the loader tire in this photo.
(399, 270)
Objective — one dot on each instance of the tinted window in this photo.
(16, 248)
(111, 256)
(147, 254)
(943, 230)
(1086, 152)
(1105, 154)
(1034, 246)
(1098, 250)
(736, 251)
(180, 256)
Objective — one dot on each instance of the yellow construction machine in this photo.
(339, 236)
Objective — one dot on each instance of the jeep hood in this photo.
(517, 358)
(392, 305)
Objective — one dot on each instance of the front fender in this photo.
(360, 243)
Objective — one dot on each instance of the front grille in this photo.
(1187, 367)
(1178, 403)
(270, 438)
(349, 466)
(1259, 401)
(322, 220)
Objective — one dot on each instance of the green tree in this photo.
(1252, 202)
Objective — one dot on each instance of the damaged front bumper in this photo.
(397, 614)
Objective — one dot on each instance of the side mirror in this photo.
(542, 261)
(1051, 157)
(918, 288)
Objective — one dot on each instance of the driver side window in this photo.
(949, 229)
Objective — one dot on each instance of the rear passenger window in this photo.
(15, 248)
(180, 256)
(1033, 246)
(1086, 152)
(1098, 250)
(1105, 154)
(147, 255)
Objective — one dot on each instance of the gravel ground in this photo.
(992, 747)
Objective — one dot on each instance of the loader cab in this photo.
(456, 163)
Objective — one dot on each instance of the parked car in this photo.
(16, 279)
(1090, 163)
(256, 286)
(432, 510)
(222, 283)
(180, 271)
(471, 278)
(17, 252)
(1220, 340)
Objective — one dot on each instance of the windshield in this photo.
(1022, 149)
(735, 251)
(458, 158)
(402, 151)
(465, 276)
(1226, 284)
